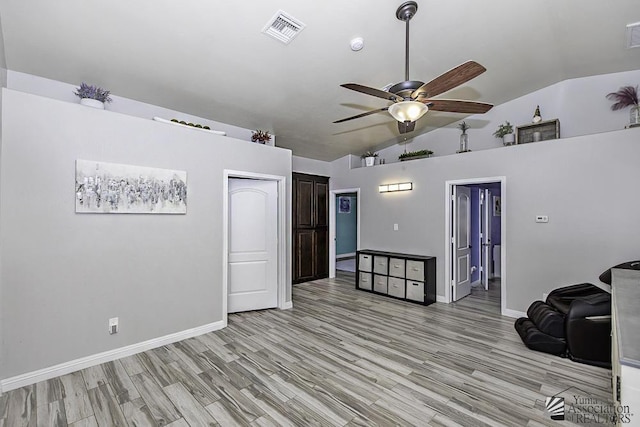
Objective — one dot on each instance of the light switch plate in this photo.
(395, 227)
(542, 218)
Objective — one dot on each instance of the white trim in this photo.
(448, 185)
(513, 313)
(440, 298)
(332, 225)
(282, 233)
(107, 356)
(287, 305)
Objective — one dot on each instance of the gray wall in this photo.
(64, 274)
(587, 185)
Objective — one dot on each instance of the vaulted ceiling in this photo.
(210, 58)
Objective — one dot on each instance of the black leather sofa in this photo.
(574, 322)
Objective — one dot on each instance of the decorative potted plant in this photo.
(464, 138)
(505, 132)
(261, 136)
(93, 96)
(411, 155)
(627, 96)
(369, 158)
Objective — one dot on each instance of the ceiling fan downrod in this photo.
(405, 12)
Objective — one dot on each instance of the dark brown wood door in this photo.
(305, 254)
(305, 204)
(310, 227)
(321, 193)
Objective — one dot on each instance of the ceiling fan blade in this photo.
(452, 78)
(406, 127)
(459, 106)
(362, 115)
(372, 91)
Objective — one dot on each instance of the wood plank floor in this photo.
(340, 357)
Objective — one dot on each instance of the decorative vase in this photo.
(369, 161)
(635, 116)
(509, 139)
(464, 142)
(92, 103)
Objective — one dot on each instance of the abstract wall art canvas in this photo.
(114, 188)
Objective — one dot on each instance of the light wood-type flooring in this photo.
(340, 357)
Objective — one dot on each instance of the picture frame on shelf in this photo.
(541, 131)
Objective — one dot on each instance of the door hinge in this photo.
(481, 269)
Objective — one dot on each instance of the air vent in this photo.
(283, 27)
(633, 35)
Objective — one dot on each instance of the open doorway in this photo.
(344, 230)
(475, 229)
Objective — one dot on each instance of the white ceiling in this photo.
(210, 59)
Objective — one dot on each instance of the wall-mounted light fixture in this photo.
(401, 186)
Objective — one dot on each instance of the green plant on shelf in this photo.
(182, 122)
(419, 153)
(503, 130)
(369, 154)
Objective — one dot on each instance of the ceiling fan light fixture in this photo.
(408, 111)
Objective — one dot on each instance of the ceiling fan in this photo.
(412, 99)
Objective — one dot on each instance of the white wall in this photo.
(579, 104)
(587, 185)
(64, 274)
(65, 92)
(310, 166)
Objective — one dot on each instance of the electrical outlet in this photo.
(395, 227)
(113, 325)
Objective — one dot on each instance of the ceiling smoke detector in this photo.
(357, 44)
(283, 27)
(633, 35)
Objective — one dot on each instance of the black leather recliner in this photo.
(574, 322)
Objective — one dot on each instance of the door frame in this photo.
(281, 233)
(485, 229)
(448, 259)
(333, 194)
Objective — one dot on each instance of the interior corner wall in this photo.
(65, 274)
(586, 185)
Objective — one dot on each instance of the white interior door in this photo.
(485, 230)
(253, 245)
(461, 242)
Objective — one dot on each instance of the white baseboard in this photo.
(349, 255)
(513, 313)
(107, 356)
(287, 305)
(441, 298)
